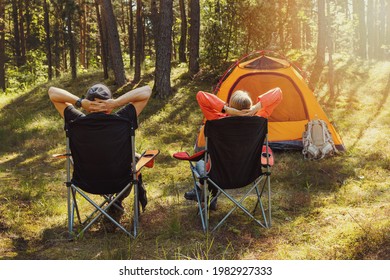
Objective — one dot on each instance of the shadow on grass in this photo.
(374, 113)
(294, 188)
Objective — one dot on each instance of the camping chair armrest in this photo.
(61, 156)
(146, 159)
(264, 161)
(185, 156)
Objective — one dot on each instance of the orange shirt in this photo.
(212, 106)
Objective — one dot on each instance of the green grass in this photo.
(337, 208)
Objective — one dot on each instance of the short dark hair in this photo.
(99, 91)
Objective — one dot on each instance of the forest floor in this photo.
(336, 208)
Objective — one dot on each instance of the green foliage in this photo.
(32, 73)
(233, 28)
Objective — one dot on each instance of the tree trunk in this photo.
(231, 20)
(382, 29)
(114, 43)
(294, 25)
(48, 40)
(183, 32)
(103, 41)
(15, 19)
(28, 20)
(371, 29)
(154, 17)
(131, 34)
(281, 24)
(2, 46)
(387, 42)
(329, 44)
(71, 44)
(321, 45)
(83, 34)
(57, 51)
(307, 36)
(162, 85)
(194, 18)
(22, 36)
(361, 31)
(138, 43)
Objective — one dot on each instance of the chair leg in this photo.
(237, 205)
(136, 211)
(102, 212)
(195, 177)
(75, 206)
(269, 200)
(260, 203)
(200, 209)
(99, 210)
(70, 206)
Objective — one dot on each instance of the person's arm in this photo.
(139, 97)
(264, 107)
(62, 98)
(269, 101)
(214, 108)
(210, 105)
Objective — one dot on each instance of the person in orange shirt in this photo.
(240, 104)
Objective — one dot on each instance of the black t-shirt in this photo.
(128, 112)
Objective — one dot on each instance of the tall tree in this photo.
(131, 33)
(194, 32)
(48, 40)
(361, 28)
(307, 27)
(154, 17)
(103, 40)
(2, 46)
(382, 29)
(83, 33)
(281, 23)
(69, 10)
(371, 30)
(58, 34)
(329, 45)
(114, 43)
(138, 43)
(387, 36)
(16, 44)
(22, 35)
(162, 85)
(56, 51)
(294, 24)
(321, 45)
(183, 32)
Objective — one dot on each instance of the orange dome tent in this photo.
(299, 106)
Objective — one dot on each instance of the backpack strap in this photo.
(307, 139)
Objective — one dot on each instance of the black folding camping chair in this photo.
(101, 150)
(236, 155)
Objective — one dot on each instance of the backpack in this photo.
(317, 141)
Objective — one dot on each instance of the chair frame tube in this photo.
(72, 201)
(204, 212)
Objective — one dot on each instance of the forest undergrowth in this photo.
(336, 208)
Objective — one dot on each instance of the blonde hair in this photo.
(240, 100)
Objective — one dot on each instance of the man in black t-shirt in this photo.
(98, 100)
